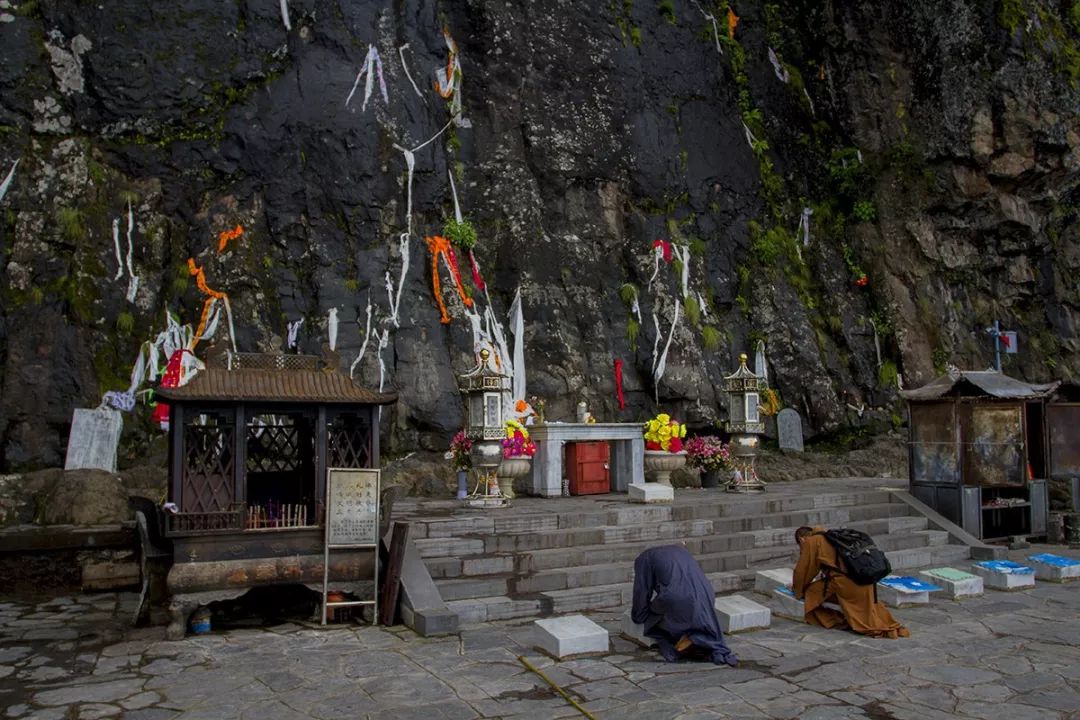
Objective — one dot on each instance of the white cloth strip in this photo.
(517, 326)
(294, 330)
(133, 279)
(782, 73)
(453, 192)
(356, 84)
(7, 180)
(212, 322)
(285, 14)
(658, 252)
(116, 247)
(363, 345)
(404, 65)
(662, 364)
(332, 328)
(232, 328)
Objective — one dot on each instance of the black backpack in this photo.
(864, 562)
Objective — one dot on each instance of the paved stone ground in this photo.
(1006, 655)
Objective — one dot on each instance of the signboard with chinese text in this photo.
(352, 506)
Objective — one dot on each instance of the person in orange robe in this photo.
(819, 578)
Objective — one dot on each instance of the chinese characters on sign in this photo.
(352, 511)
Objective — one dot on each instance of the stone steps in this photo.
(596, 597)
(701, 542)
(711, 508)
(579, 555)
(650, 529)
(621, 569)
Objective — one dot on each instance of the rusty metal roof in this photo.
(276, 386)
(982, 383)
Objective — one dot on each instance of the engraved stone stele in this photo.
(789, 430)
(93, 439)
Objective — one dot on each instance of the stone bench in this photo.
(956, 584)
(571, 635)
(766, 581)
(651, 492)
(1055, 568)
(738, 614)
(635, 632)
(1005, 575)
(904, 591)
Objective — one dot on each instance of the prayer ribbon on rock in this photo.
(440, 248)
(619, 385)
(225, 236)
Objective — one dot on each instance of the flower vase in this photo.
(509, 470)
(462, 484)
(710, 478)
(660, 464)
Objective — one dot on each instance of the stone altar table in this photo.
(627, 453)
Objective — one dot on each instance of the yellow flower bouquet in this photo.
(663, 433)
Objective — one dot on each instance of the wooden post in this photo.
(389, 599)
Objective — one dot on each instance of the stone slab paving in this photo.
(1013, 655)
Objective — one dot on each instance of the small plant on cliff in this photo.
(125, 323)
(667, 9)
(461, 234)
(632, 329)
(692, 310)
(710, 337)
(71, 224)
(864, 211)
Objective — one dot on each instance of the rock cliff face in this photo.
(933, 145)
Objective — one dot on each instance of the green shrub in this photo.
(125, 323)
(462, 234)
(692, 310)
(71, 224)
(864, 211)
(710, 337)
(632, 329)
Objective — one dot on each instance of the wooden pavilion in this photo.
(249, 448)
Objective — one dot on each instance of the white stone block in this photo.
(765, 581)
(1054, 568)
(905, 591)
(634, 632)
(571, 635)
(787, 606)
(1005, 575)
(737, 614)
(651, 492)
(956, 584)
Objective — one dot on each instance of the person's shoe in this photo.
(684, 644)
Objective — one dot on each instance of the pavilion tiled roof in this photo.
(273, 386)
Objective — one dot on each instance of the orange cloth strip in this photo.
(440, 246)
(227, 235)
(200, 281)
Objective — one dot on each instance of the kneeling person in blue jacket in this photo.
(674, 601)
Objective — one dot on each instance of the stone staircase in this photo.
(548, 557)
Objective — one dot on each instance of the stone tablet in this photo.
(93, 440)
(1055, 568)
(789, 430)
(903, 591)
(651, 492)
(1005, 575)
(737, 614)
(955, 583)
(571, 635)
(787, 606)
(634, 632)
(765, 581)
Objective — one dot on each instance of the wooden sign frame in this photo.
(335, 540)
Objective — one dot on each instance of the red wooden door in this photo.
(587, 468)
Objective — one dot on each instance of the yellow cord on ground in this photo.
(558, 689)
